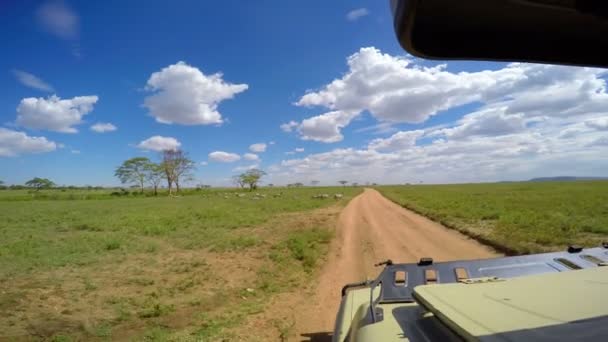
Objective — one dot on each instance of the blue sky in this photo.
(395, 118)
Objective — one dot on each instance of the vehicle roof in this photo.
(556, 306)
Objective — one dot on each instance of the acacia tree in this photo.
(133, 171)
(176, 166)
(343, 182)
(154, 175)
(314, 182)
(40, 183)
(252, 178)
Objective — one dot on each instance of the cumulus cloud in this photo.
(290, 126)
(398, 141)
(32, 81)
(53, 113)
(258, 148)
(184, 95)
(394, 89)
(159, 143)
(224, 157)
(600, 124)
(356, 14)
(526, 120)
(59, 19)
(325, 127)
(466, 152)
(487, 122)
(251, 156)
(14, 143)
(103, 127)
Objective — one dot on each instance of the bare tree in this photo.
(238, 181)
(154, 175)
(167, 165)
(176, 166)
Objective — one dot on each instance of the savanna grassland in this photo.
(523, 217)
(92, 265)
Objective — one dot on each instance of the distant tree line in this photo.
(36, 183)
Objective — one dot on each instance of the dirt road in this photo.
(370, 229)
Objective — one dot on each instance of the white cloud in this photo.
(245, 168)
(394, 89)
(602, 141)
(325, 127)
(296, 150)
(75, 151)
(158, 143)
(103, 127)
(53, 113)
(271, 143)
(599, 123)
(258, 148)
(184, 95)
(290, 126)
(224, 157)
(58, 19)
(398, 141)
(204, 163)
(488, 122)
(356, 14)
(470, 151)
(251, 156)
(32, 81)
(14, 143)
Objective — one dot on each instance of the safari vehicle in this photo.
(551, 296)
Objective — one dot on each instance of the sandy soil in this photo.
(371, 229)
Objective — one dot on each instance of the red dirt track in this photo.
(371, 229)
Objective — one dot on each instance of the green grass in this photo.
(42, 234)
(519, 217)
(74, 250)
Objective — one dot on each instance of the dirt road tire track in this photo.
(370, 229)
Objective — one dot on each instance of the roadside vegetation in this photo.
(155, 268)
(523, 217)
